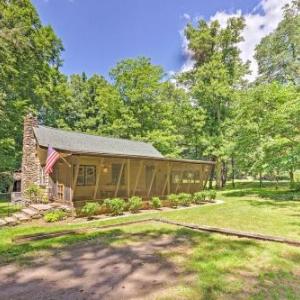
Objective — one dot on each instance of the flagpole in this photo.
(69, 165)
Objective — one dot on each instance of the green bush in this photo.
(155, 202)
(54, 216)
(34, 193)
(90, 209)
(115, 206)
(185, 199)
(199, 197)
(173, 199)
(134, 204)
(211, 195)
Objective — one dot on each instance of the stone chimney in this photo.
(30, 161)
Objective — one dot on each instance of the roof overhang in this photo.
(167, 159)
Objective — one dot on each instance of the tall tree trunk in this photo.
(211, 177)
(276, 180)
(232, 172)
(218, 173)
(292, 178)
(260, 179)
(224, 174)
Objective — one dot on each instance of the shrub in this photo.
(155, 202)
(54, 216)
(211, 195)
(90, 209)
(134, 204)
(185, 199)
(34, 193)
(116, 206)
(199, 197)
(173, 198)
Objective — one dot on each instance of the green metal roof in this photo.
(87, 143)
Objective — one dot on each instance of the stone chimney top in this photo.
(30, 120)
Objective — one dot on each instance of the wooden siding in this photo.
(142, 177)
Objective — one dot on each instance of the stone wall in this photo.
(30, 161)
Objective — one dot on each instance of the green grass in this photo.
(6, 208)
(221, 267)
(249, 208)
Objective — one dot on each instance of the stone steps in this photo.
(33, 211)
(22, 217)
(11, 220)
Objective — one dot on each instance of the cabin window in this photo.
(86, 175)
(115, 173)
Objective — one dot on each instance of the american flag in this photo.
(52, 157)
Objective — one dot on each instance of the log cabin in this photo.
(93, 167)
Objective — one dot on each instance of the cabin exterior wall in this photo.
(89, 178)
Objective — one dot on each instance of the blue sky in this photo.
(98, 33)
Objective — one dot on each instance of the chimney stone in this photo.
(30, 161)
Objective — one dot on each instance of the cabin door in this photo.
(63, 182)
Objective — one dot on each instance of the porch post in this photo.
(75, 180)
(169, 179)
(167, 182)
(98, 178)
(128, 177)
(179, 183)
(138, 175)
(119, 179)
(152, 180)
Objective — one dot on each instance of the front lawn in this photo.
(219, 267)
(7, 208)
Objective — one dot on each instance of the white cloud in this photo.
(189, 62)
(257, 26)
(186, 17)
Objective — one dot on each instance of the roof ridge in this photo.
(95, 135)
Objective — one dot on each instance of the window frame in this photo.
(83, 176)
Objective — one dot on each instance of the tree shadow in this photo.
(95, 268)
(116, 264)
(119, 264)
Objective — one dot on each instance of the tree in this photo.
(148, 103)
(29, 62)
(267, 124)
(278, 54)
(217, 72)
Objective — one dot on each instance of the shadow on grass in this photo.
(279, 197)
(101, 261)
(131, 263)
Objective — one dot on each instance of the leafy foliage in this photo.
(211, 195)
(54, 216)
(134, 204)
(90, 208)
(210, 112)
(155, 202)
(173, 200)
(116, 206)
(185, 199)
(35, 194)
(278, 53)
(199, 197)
